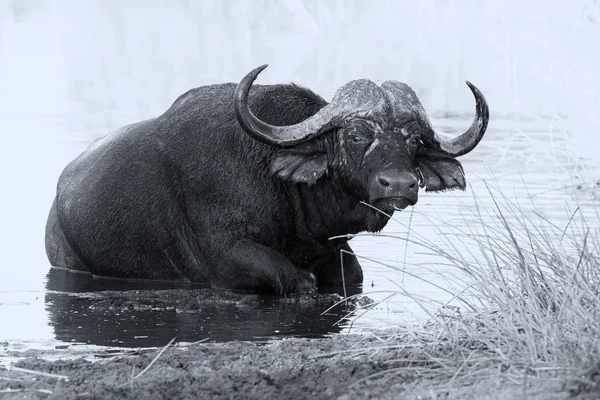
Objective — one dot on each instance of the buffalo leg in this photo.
(329, 269)
(249, 265)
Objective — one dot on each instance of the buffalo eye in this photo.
(414, 141)
(414, 145)
(357, 139)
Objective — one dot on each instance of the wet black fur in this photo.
(190, 196)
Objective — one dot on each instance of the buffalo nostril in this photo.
(384, 182)
(413, 185)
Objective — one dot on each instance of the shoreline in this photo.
(341, 367)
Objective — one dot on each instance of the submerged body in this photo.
(192, 195)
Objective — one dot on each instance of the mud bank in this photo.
(341, 367)
(282, 369)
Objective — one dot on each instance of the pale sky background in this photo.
(536, 57)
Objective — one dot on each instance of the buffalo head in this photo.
(375, 141)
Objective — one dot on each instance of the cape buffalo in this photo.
(243, 187)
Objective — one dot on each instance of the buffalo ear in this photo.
(300, 164)
(440, 172)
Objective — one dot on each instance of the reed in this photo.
(528, 324)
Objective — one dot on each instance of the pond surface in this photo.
(60, 90)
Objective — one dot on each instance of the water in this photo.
(115, 312)
(65, 80)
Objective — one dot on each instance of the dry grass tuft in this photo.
(529, 321)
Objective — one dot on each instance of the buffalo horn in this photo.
(467, 141)
(284, 136)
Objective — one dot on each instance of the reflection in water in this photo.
(118, 312)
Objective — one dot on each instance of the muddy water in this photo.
(115, 312)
